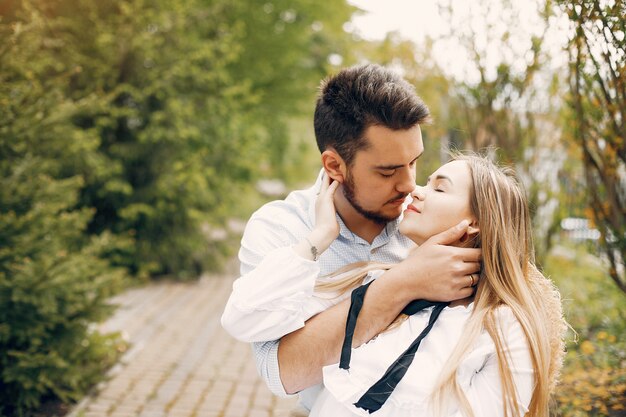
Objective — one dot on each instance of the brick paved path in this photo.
(180, 363)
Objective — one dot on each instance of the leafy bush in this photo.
(128, 129)
(54, 279)
(53, 284)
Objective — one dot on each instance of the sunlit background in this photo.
(136, 138)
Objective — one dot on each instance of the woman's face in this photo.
(442, 203)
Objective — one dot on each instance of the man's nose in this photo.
(407, 182)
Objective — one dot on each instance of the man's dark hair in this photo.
(359, 97)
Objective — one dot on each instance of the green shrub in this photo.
(54, 278)
(127, 129)
(53, 284)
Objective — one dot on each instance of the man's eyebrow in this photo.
(389, 167)
(440, 177)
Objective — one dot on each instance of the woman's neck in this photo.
(463, 302)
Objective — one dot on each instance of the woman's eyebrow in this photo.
(440, 177)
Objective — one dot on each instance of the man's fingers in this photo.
(469, 268)
(470, 255)
(451, 235)
(465, 292)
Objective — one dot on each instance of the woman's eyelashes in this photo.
(435, 187)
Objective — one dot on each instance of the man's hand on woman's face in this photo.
(438, 272)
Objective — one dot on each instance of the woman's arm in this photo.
(269, 301)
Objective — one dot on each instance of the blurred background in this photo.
(136, 138)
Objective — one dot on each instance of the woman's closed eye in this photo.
(437, 186)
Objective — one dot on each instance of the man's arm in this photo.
(433, 271)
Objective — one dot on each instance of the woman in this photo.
(494, 354)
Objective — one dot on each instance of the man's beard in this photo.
(375, 216)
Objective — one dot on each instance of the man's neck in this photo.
(358, 224)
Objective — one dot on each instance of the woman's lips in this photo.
(411, 207)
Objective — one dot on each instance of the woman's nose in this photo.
(418, 193)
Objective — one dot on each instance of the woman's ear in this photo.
(473, 229)
(471, 233)
(334, 165)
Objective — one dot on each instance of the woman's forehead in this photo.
(454, 169)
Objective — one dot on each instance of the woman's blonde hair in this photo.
(508, 278)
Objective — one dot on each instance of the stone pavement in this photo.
(180, 363)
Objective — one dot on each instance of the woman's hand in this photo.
(326, 227)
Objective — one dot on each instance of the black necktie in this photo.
(377, 394)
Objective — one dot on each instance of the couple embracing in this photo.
(366, 294)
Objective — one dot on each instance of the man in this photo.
(367, 126)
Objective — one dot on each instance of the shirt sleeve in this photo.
(484, 392)
(269, 301)
(266, 357)
(264, 236)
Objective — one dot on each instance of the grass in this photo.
(593, 380)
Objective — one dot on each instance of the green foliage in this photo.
(54, 279)
(128, 129)
(593, 381)
(284, 53)
(597, 103)
(181, 104)
(501, 103)
(165, 126)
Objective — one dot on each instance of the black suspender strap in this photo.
(377, 394)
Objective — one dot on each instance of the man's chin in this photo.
(388, 215)
(393, 212)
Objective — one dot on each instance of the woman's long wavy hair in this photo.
(508, 278)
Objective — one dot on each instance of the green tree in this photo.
(172, 142)
(187, 103)
(504, 100)
(54, 279)
(597, 101)
(285, 47)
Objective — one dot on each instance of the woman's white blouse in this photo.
(281, 302)
(477, 374)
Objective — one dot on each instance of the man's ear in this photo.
(334, 165)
